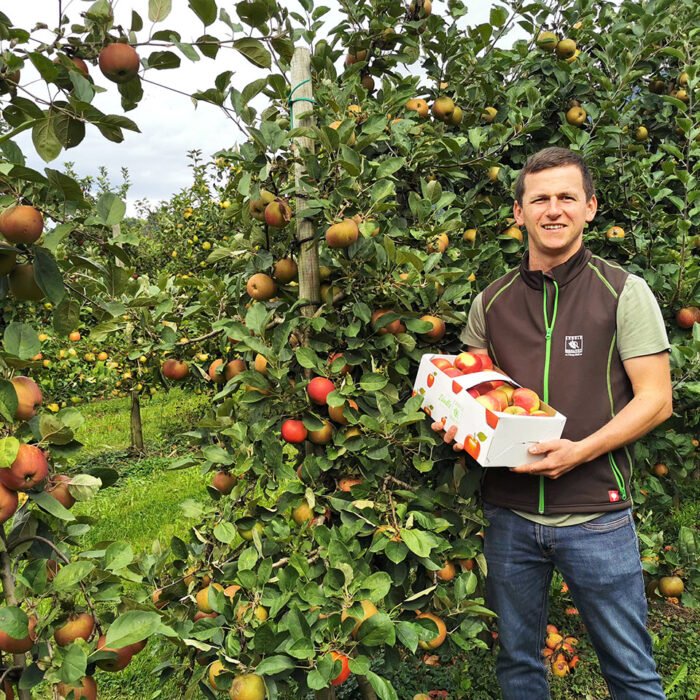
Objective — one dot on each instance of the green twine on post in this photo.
(291, 101)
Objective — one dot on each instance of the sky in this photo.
(170, 124)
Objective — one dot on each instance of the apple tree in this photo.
(370, 201)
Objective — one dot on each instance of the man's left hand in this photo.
(561, 456)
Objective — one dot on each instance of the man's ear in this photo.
(518, 214)
(591, 208)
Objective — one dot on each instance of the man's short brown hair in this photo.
(554, 157)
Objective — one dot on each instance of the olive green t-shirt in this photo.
(640, 331)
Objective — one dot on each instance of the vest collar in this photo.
(561, 274)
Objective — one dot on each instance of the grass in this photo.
(143, 505)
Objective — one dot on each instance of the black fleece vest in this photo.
(556, 333)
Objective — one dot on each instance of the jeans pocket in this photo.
(608, 522)
(489, 511)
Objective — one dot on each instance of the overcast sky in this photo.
(169, 122)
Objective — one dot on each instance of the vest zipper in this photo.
(549, 327)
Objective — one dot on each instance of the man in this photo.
(590, 339)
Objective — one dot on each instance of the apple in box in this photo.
(496, 419)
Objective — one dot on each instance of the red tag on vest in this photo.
(614, 496)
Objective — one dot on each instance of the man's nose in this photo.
(553, 207)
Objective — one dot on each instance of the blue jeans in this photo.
(599, 561)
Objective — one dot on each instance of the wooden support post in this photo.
(302, 115)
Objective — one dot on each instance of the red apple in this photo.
(224, 482)
(319, 388)
(395, 327)
(9, 501)
(278, 213)
(29, 397)
(87, 690)
(115, 663)
(28, 470)
(486, 362)
(119, 62)
(441, 363)
(453, 372)
(174, 369)
(489, 401)
(18, 646)
(499, 397)
(77, 626)
(294, 431)
(58, 488)
(437, 331)
(527, 399)
(484, 387)
(688, 316)
(516, 411)
(468, 362)
(323, 435)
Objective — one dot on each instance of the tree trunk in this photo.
(136, 427)
(325, 694)
(366, 689)
(8, 589)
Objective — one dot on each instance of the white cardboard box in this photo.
(492, 438)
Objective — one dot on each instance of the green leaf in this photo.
(110, 209)
(272, 665)
(217, 455)
(376, 631)
(73, 664)
(407, 635)
(163, 60)
(70, 190)
(21, 340)
(254, 51)
(371, 381)
(83, 487)
(8, 407)
(54, 237)
(377, 586)
(252, 13)
(52, 506)
(247, 559)
(498, 16)
(14, 621)
(70, 575)
(205, 10)
(131, 627)
(307, 358)
(9, 447)
(158, 10)
(390, 166)
(45, 140)
(48, 275)
(381, 190)
(208, 45)
(53, 431)
(118, 556)
(66, 316)
(417, 541)
(256, 319)
(225, 533)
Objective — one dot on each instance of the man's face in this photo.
(554, 212)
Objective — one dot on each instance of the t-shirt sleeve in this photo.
(640, 325)
(474, 333)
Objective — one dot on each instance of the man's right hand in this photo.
(448, 435)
